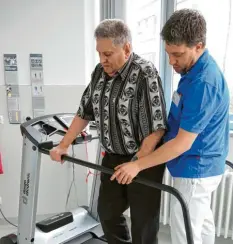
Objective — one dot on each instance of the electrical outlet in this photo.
(0, 201)
(1, 119)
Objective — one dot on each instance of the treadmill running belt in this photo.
(95, 241)
(86, 238)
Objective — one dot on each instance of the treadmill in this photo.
(74, 227)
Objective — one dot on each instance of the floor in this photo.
(164, 237)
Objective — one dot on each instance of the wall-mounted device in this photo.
(12, 88)
(37, 84)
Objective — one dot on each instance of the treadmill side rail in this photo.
(95, 187)
(30, 171)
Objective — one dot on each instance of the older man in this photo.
(125, 99)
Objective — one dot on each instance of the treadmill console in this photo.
(51, 127)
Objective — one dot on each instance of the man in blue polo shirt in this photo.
(196, 143)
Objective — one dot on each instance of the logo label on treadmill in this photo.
(25, 200)
(26, 188)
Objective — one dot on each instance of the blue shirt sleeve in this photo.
(199, 105)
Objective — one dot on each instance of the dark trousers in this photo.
(144, 203)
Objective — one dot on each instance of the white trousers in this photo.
(197, 193)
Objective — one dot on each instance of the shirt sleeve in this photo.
(199, 106)
(152, 108)
(85, 110)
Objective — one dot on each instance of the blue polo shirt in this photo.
(201, 105)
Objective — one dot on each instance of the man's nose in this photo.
(103, 58)
(172, 60)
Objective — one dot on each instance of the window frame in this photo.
(170, 86)
(231, 121)
(165, 69)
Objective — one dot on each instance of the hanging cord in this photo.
(84, 135)
(7, 219)
(73, 181)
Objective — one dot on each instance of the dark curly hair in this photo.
(185, 26)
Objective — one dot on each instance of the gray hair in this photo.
(114, 29)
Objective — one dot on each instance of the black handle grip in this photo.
(189, 235)
(229, 164)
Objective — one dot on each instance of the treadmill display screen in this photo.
(44, 128)
(67, 120)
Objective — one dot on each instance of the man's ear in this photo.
(127, 50)
(199, 46)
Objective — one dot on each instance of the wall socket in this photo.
(0, 201)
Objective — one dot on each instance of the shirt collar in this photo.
(198, 66)
(123, 71)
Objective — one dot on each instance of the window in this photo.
(231, 121)
(219, 18)
(143, 18)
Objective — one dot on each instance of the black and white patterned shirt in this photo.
(127, 107)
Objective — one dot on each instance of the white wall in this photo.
(62, 30)
(55, 28)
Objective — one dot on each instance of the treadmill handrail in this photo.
(43, 148)
(229, 164)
